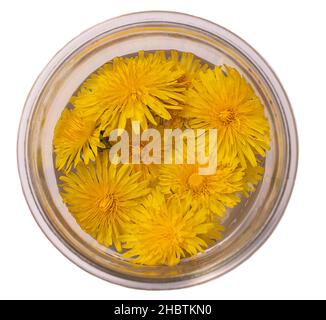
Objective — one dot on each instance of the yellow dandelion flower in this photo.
(189, 65)
(132, 88)
(251, 178)
(224, 100)
(213, 192)
(102, 198)
(165, 231)
(76, 139)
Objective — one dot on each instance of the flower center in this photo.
(135, 93)
(186, 80)
(227, 116)
(108, 203)
(171, 236)
(195, 180)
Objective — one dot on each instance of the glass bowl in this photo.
(248, 225)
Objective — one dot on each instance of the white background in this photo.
(290, 35)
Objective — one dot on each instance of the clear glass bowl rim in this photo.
(183, 20)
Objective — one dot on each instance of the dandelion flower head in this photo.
(224, 100)
(135, 88)
(213, 192)
(102, 197)
(166, 231)
(76, 139)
